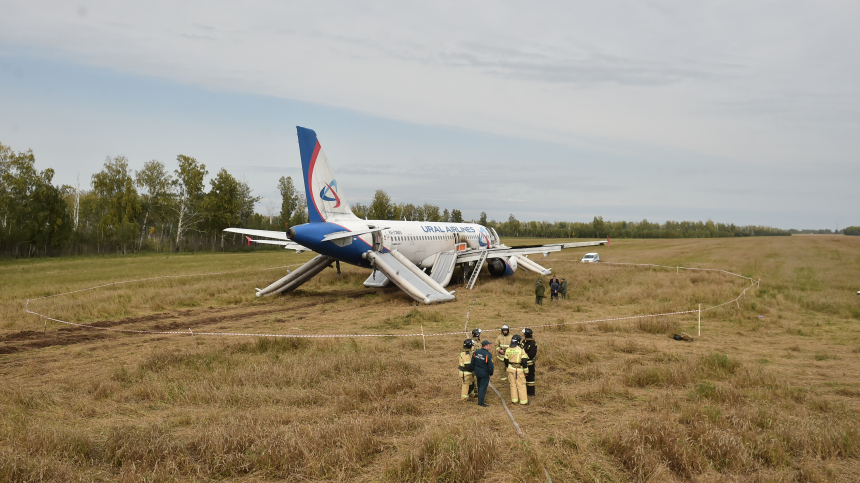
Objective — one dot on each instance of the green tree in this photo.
(512, 226)
(188, 189)
(289, 199)
(33, 213)
(380, 207)
(156, 194)
(483, 219)
(223, 203)
(599, 226)
(408, 211)
(852, 231)
(300, 215)
(247, 201)
(117, 202)
(430, 212)
(360, 210)
(456, 216)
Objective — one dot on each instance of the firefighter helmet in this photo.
(527, 332)
(505, 329)
(468, 344)
(515, 340)
(476, 333)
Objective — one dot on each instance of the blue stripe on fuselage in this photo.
(311, 235)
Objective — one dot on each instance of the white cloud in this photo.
(765, 84)
(673, 74)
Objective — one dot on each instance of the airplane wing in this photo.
(505, 251)
(580, 244)
(279, 236)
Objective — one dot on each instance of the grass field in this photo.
(769, 392)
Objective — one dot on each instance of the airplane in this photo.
(419, 257)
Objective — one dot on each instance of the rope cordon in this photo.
(416, 334)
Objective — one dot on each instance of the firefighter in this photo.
(530, 346)
(476, 338)
(502, 342)
(467, 376)
(540, 290)
(516, 363)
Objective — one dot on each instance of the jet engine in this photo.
(502, 267)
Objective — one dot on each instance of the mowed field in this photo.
(769, 392)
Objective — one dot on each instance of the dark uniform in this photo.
(540, 290)
(530, 346)
(482, 363)
(563, 289)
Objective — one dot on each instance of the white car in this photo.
(590, 258)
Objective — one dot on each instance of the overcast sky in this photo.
(737, 111)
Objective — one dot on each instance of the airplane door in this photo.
(377, 241)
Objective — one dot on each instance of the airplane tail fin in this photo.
(325, 198)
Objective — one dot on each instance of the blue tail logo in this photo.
(330, 188)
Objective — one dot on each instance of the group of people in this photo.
(516, 353)
(555, 288)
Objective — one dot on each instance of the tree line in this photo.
(164, 210)
(124, 211)
(382, 208)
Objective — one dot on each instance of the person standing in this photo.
(467, 375)
(502, 343)
(516, 364)
(476, 345)
(563, 289)
(482, 363)
(476, 338)
(540, 290)
(553, 289)
(530, 346)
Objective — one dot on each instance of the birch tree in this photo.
(289, 200)
(155, 184)
(117, 201)
(188, 189)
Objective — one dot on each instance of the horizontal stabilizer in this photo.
(346, 234)
(277, 235)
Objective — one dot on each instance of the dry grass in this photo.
(768, 393)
